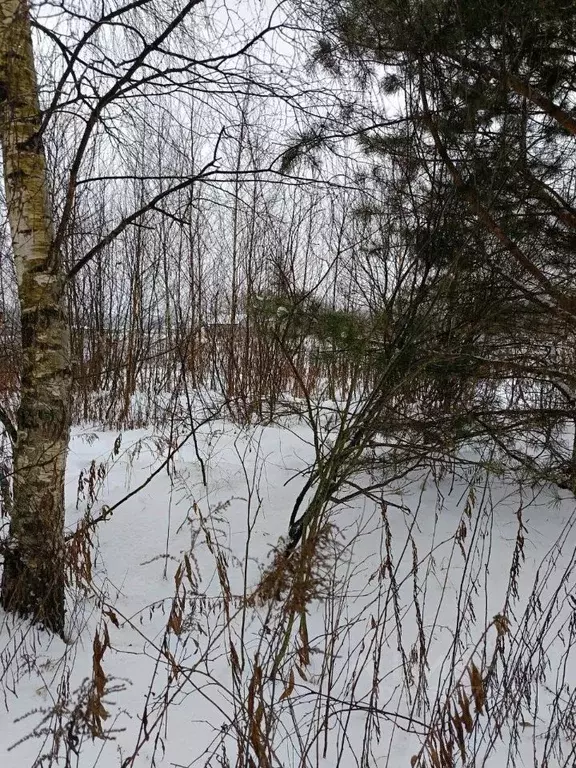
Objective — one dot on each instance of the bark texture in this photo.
(33, 577)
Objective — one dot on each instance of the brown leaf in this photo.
(459, 731)
(175, 620)
(234, 657)
(178, 577)
(304, 650)
(289, 687)
(255, 683)
(97, 672)
(188, 566)
(464, 702)
(113, 617)
(477, 687)
(173, 663)
(502, 624)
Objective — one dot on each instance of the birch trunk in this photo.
(34, 573)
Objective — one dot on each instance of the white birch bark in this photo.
(33, 573)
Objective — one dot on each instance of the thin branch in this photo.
(132, 219)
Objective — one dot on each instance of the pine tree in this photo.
(478, 112)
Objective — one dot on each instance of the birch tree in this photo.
(33, 575)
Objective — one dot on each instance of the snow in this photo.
(176, 698)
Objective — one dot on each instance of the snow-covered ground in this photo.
(197, 675)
